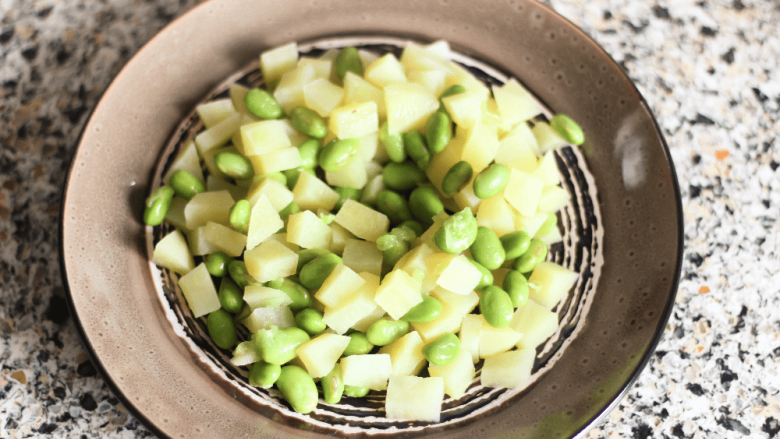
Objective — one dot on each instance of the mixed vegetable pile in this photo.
(363, 217)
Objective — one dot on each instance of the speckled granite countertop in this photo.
(709, 69)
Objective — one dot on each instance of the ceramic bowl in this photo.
(622, 228)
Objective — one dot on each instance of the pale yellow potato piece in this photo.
(547, 138)
(372, 189)
(265, 317)
(322, 96)
(553, 283)
(494, 341)
(262, 137)
(357, 90)
(510, 370)
(469, 335)
(237, 94)
(406, 354)
(282, 239)
(225, 239)
(362, 221)
(552, 237)
(460, 304)
(366, 58)
(216, 184)
(187, 160)
(208, 206)
(217, 135)
(311, 193)
(264, 221)
(270, 260)
(198, 244)
(363, 324)
(175, 214)
(354, 120)
(448, 321)
(465, 108)
(427, 236)
(547, 170)
(321, 353)
(495, 214)
(277, 61)
(408, 106)
(413, 398)
(199, 291)
(340, 284)
(296, 137)
(457, 375)
(464, 77)
(529, 224)
(417, 259)
(172, 253)
(553, 199)
(362, 256)
(289, 92)
(398, 293)
(480, 145)
(385, 71)
(279, 160)
(535, 322)
(517, 151)
(459, 276)
(433, 80)
(515, 104)
(369, 145)
(523, 191)
(339, 238)
(258, 296)
(308, 231)
(214, 112)
(276, 191)
(466, 198)
(322, 67)
(369, 370)
(357, 310)
(429, 58)
(352, 175)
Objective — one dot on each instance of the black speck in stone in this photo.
(43, 13)
(695, 389)
(774, 165)
(708, 31)
(768, 145)
(10, 84)
(113, 401)
(6, 35)
(711, 70)
(58, 310)
(609, 31)
(771, 427)
(74, 115)
(86, 369)
(87, 402)
(677, 431)
(738, 5)
(679, 332)
(728, 56)
(642, 431)
(43, 356)
(664, 413)
(59, 392)
(65, 417)
(704, 120)
(30, 53)
(696, 259)
(694, 191)
(660, 354)
(733, 425)
(766, 203)
(607, 15)
(11, 424)
(724, 409)
(696, 159)
(47, 428)
(62, 56)
(636, 28)
(22, 132)
(760, 96)
(660, 12)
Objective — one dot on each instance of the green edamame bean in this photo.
(310, 320)
(348, 60)
(300, 296)
(314, 273)
(262, 104)
(217, 263)
(346, 193)
(221, 329)
(309, 151)
(246, 310)
(547, 226)
(290, 209)
(234, 165)
(425, 311)
(275, 283)
(307, 255)
(333, 385)
(277, 346)
(516, 286)
(393, 143)
(264, 375)
(438, 131)
(443, 350)
(157, 205)
(238, 216)
(298, 388)
(393, 205)
(487, 249)
(358, 344)
(239, 274)
(337, 153)
(491, 181)
(231, 298)
(356, 391)
(414, 144)
(536, 253)
(415, 226)
(456, 178)
(185, 184)
(515, 243)
(385, 331)
(568, 129)
(424, 203)
(278, 176)
(308, 122)
(402, 176)
(487, 276)
(393, 254)
(450, 91)
(457, 233)
(496, 306)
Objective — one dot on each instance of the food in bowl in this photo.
(365, 216)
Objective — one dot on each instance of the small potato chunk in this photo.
(457, 375)
(515, 104)
(265, 317)
(354, 120)
(356, 308)
(494, 341)
(523, 191)
(535, 322)
(459, 276)
(321, 353)
(199, 291)
(277, 61)
(495, 214)
(553, 282)
(385, 71)
(408, 106)
(340, 284)
(369, 370)
(362, 256)
(413, 398)
(270, 260)
(279, 160)
(398, 293)
(406, 354)
(311, 193)
(172, 253)
(364, 222)
(469, 335)
(357, 90)
(509, 369)
(277, 193)
(208, 206)
(225, 239)
(322, 96)
(264, 221)
(262, 137)
(308, 231)
(217, 135)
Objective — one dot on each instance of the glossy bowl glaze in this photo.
(622, 227)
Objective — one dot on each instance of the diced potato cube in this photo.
(175, 214)
(552, 199)
(357, 90)
(547, 170)
(289, 92)
(535, 322)
(363, 324)
(215, 184)
(308, 231)
(363, 221)
(263, 137)
(552, 237)
(417, 259)
(282, 239)
(264, 318)
(237, 94)
(322, 67)
(322, 96)
(464, 77)
(356, 307)
(429, 58)
(340, 284)
(398, 293)
(362, 256)
(279, 160)
(408, 106)
(440, 48)
(448, 321)
(270, 260)
(321, 353)
(406, 354)
(258, 296)
(553, 283)
(481, 144)
(187, 160)
(296, 137)
(385, 71)
(217, 135)
(198, 244)
(496, 215)
(214, 112)
(459, 276)
(264, 221)
(311, 193)
(493, 341)
(372, 188)
(199, 291)
(457, 375)
(277, 61)
(529, 224)
(172, 253)
(547, 138)
(460, 304)
(352, 175)
(515, 104)
(369, 370)
(354, 120)
(523, 191)
(465, 108)
(433, 80)
(208, 206)
(414, 399)
(466, 198)
(369, 145)
(509, 369)
(427, 236)
(276, 192)
(469, 335)
(366, 58)
(339, 238)
(442, 162)
(225, 239)
(516, 151)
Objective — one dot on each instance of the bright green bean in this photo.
(290, 209)
(515, 243)
(568, 129)
(277, 346)
(456, 178)
(217, 263)
(346, 193)
(402, 176)
(414, 144)
(358, 344)
(310, 320)
(457, 233)
(234, 165)
(333, 385)
(356, 391)
(425, 311)
(487, 276)
(275, 283)
(348, 60)
(185, 184)
(438, 131)
(536, 253)
(157, 205)
(547, 226)
(385, 331)
(308, 122)
(221, 329)
(307, 255)
(487, 249)
(424, 203)
(337, 153)
(264, 375)
(301, 298)
(239, 274)
(516, 286)
(415, 226)
(238, 216)
(314, 273)
(231, 298)
(496, 306)
(393, 143)
(391, 255)
(443, 350)
(298, 388)
(309, 150)
(491, 181)
(246, 310)
(262, 104)
(393, 205)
